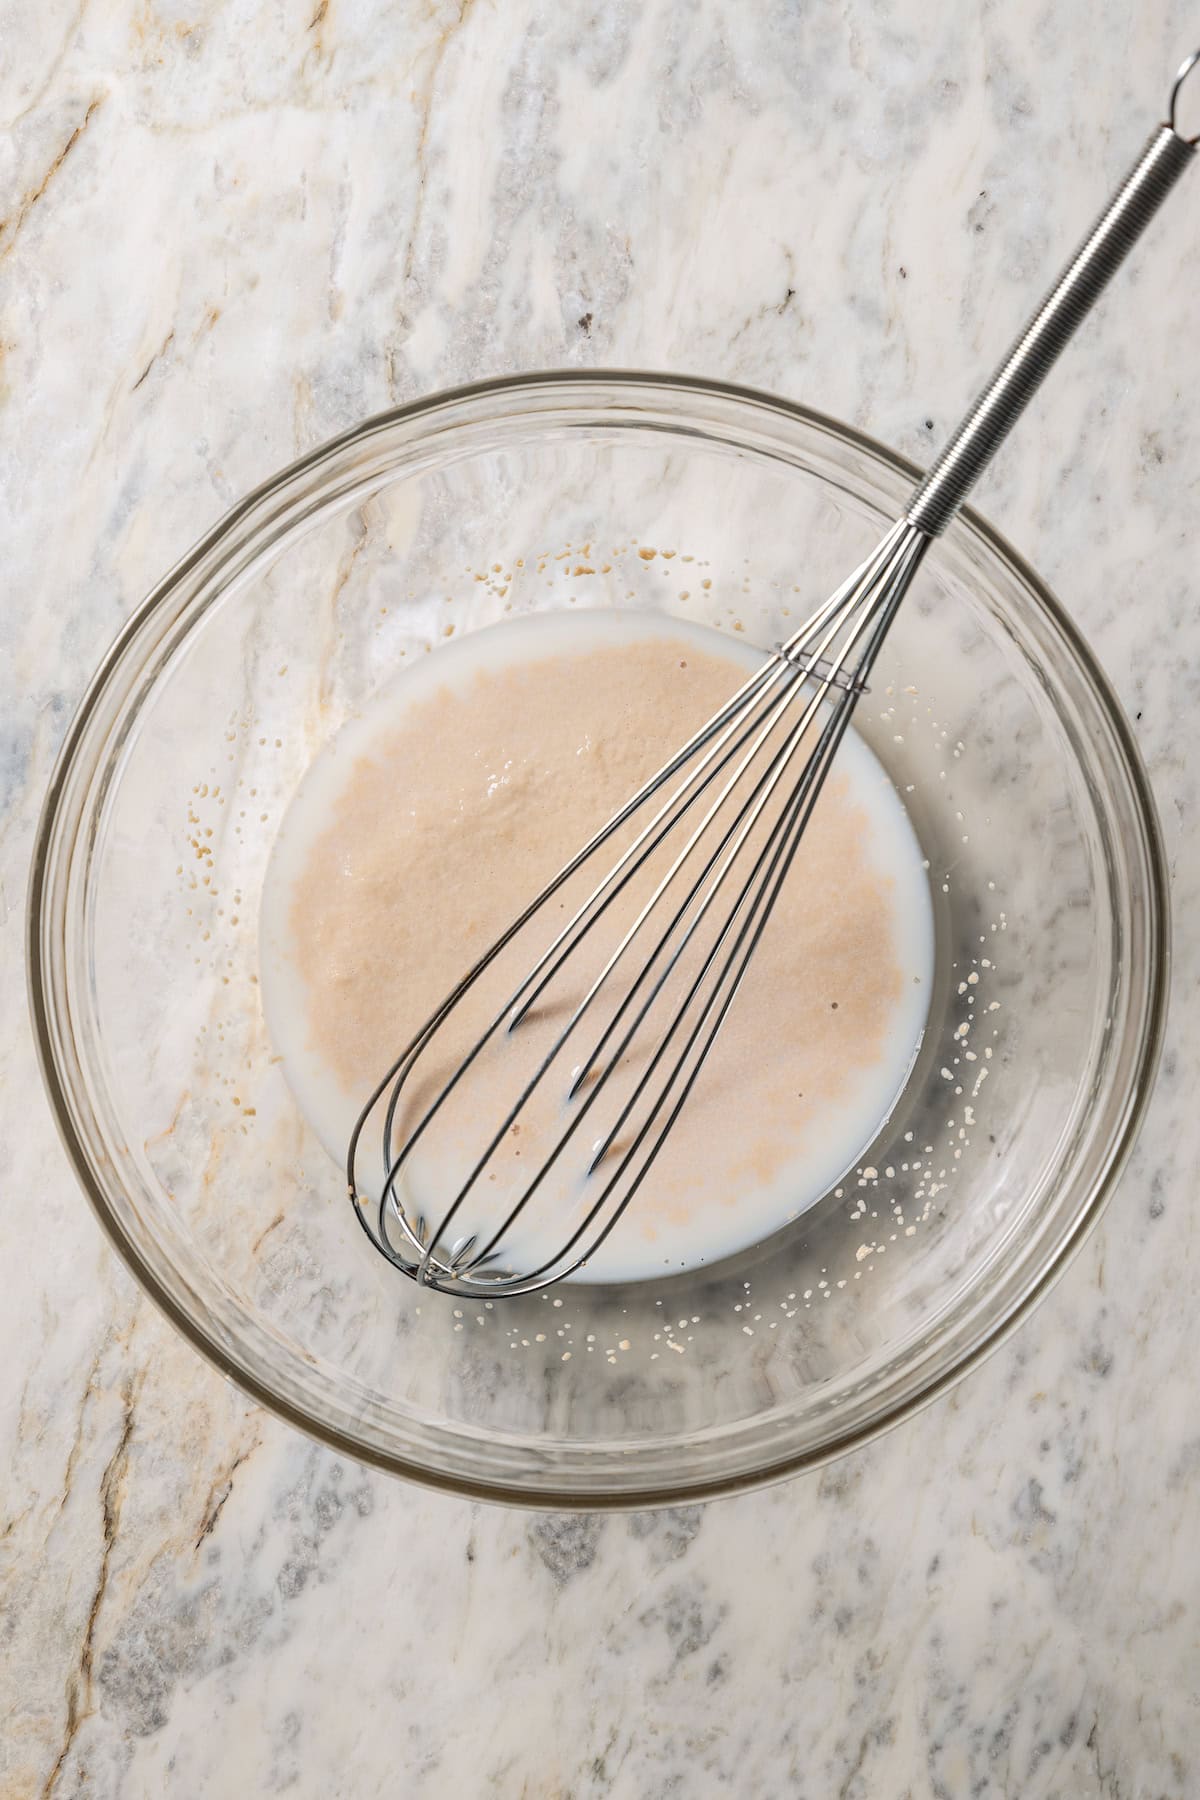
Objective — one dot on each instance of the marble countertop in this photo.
(226, 232)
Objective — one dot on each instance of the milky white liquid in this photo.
(500, 747)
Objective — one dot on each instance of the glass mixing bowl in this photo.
(734, 509)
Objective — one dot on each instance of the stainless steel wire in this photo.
(714, 852)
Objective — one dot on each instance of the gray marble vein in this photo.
(229, 230)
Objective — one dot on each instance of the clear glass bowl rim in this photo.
(247, 521)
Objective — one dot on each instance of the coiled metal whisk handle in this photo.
(1168, 153)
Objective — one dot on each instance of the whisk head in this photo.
(539, 1094)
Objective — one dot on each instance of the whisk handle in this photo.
(1168, 153)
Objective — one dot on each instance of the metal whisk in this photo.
(707, 844)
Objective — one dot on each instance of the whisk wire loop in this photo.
(820, 670)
